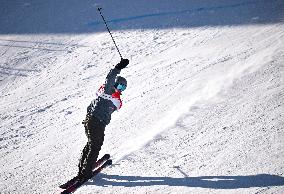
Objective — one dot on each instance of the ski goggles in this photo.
(121, 87)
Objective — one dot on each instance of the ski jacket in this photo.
(107, 99)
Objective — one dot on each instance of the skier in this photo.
(99, 115)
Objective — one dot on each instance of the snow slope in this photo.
(203, 112)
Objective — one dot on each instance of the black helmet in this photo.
(120, 80)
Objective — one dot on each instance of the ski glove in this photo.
(122, 64)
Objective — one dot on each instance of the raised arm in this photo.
(110, 79)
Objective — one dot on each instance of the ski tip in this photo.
(109, 162)
(105, 157)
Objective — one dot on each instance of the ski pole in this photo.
(99, 9)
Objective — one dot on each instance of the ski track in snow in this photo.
(203, 112)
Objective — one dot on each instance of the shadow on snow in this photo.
(73, 16)
(213, 182)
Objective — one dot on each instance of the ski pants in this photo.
(94, 129)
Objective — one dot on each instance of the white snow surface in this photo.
(203, 111)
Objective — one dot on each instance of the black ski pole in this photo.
(99, 9)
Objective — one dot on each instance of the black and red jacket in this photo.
(107, 99)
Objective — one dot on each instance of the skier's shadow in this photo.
(213, 182)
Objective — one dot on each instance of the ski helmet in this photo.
(120, 80)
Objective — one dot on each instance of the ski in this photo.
(74, 179)
(79, 183)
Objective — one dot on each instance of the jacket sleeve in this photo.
(110, 80)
